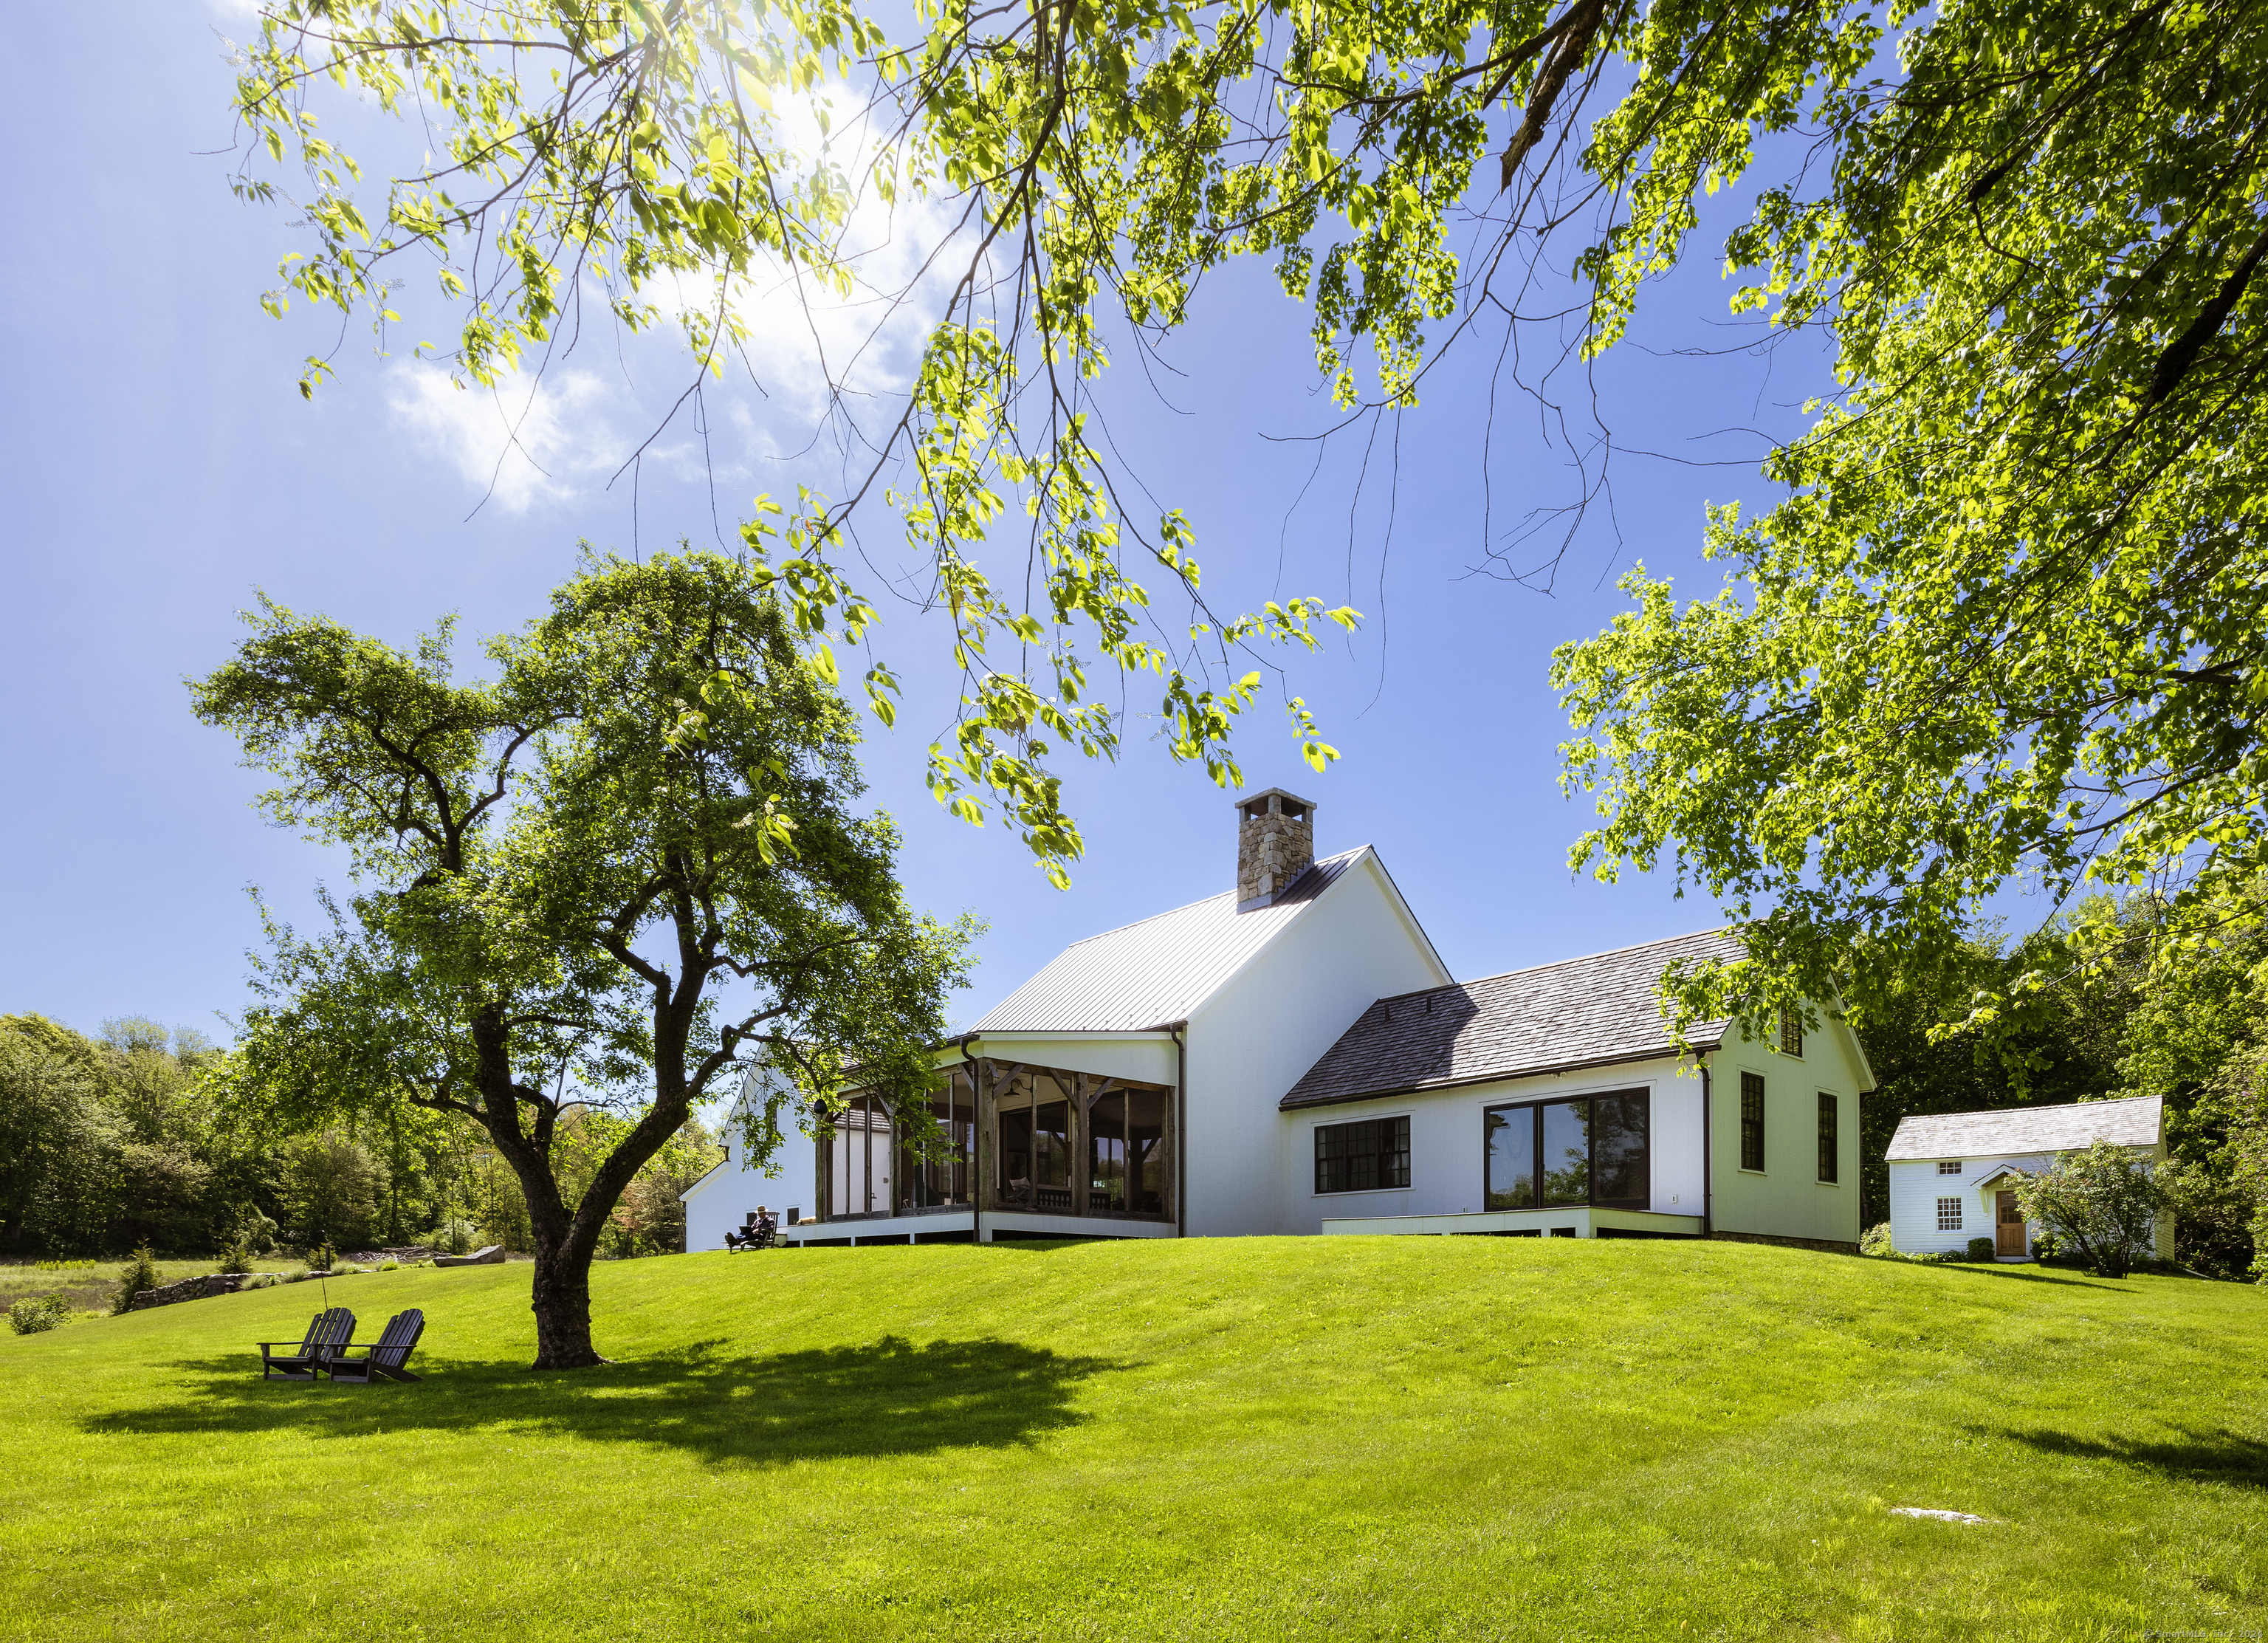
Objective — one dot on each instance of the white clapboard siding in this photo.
(1916, 1187)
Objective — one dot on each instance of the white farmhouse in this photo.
(1953, 1173)
(1292, 1056)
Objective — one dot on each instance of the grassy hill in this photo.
(1254, 1439)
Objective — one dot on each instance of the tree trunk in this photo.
(560, 1301)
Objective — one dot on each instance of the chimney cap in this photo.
(1293, 802)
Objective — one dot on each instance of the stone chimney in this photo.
(1275, 842)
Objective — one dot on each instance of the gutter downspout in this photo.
(1708, 1174)
(1181, 1129)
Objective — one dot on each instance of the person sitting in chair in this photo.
(763, 1228)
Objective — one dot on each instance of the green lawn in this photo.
(1251, 1439)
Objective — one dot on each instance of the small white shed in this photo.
(1951, 1172)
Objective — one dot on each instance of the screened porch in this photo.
(1018, 1139)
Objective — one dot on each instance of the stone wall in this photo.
(1272, 849)
(188, 1289)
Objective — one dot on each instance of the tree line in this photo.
(126, 1139)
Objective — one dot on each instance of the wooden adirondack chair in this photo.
(387, 1356)
(327, 1331)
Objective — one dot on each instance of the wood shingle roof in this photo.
(1583, 1012)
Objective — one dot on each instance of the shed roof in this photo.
(2137, 1121)
(1582, 1012)
(1159, 970)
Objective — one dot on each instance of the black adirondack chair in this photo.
(283, 1361)
(387, 1356)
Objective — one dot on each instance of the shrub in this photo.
(36, 1313)
(238, 1256)
(2102, 1203)
(1876, 1239)
(389, 1265)
(259, 1280)
(255, 1231)
(340, 1268)
(140, 1273)
(321, 1257)
(454, 1236)
(1982, 1249)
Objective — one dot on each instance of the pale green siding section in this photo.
(1787, 1199)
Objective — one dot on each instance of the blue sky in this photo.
(160, 465)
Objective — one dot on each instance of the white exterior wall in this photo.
(1251, 1041)
(1916, 1186)
(1786, 1199)
(1448, 1170)
(720, 1201)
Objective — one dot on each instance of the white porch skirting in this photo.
(1582, 1222)
(916, 1228)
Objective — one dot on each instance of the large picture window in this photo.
(1752, 1121)
(1366, 1156)
(1546, 1154)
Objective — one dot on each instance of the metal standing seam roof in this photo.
(2136, 1121)
(1159, 970)
(1578, 1012)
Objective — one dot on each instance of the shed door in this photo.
(2008, 1225)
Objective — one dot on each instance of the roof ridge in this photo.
(1200, 900)
(1582, 958)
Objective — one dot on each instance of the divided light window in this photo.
(1830, 1115)
(1949, 1215)
(1365, 1156)
(1948, 1166)
(1790, 1033)
(1752, 1121)
(1542, 1155)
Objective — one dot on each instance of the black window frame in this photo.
(1752, 1122)
(1791, 1033)
(1535, 1105)
(1396, 1149)
(1830, 1139)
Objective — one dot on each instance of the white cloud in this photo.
(549, 441)
(525, 442)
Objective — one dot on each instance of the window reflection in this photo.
(1511, 1158)
(1592, 1150)
(1567, 1151)
(1618, 1149)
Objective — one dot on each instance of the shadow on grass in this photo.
(2196, 1456)
(891, 1397)
(2021, 1275)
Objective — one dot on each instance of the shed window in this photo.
(1791, 1033)
(1948, 1166)
(1752, 1121)
(1830, 1116)
(1949, 1215)
(1362, 1157)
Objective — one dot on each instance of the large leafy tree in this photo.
(612, 873)
(2006, 624)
